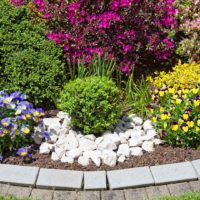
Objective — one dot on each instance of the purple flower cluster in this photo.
(17, 120)
(129, 31)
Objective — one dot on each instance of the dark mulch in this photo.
(162, 155)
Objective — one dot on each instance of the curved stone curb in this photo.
(99, 180)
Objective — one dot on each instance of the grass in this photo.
(13, 198)
(187, 196)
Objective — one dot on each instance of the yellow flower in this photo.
(195, 90)
(152, 110)
(198, 122)
(163, 117)
(154, 119)
(185, 91)
(174, 127)
(156, 91)
(197, 129)
(178, 101)
(196, 103)
(171, 90)
(180, 122)
(190, 124)
(179, 92)
(161, 93)
(162, 109)
(185, 129)
(175, 96)
(185, 96)
(28, 116)
(185, 116)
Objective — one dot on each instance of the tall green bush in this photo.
(28, 62)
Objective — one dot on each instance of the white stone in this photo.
(66, 146)
(62, 115)
(137, 120)
(84, 161)
(114, 137)
(151, 134)
(45, 148)
(96, 160)
(136, 151)
(99, 140)
(148, 146)
(123, 150)
(63, 132)
(54, 129)
(125, 135)
(109, 158)
(54, 156)
(65, 123)
(60, 152)
(90, 137)
(137, 133)
(158, 141)
(129, 125)
(121, 158)
(147, 125)
(138, 127)
(107, 145)
(133, 142)
(52, 138)
(66, 159)
(74, 153)
(90, 154)
(131, 116)
(87, 145)
(72, 140)
(37, 138)
(123, 140)
(51, 122)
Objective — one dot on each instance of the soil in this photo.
(162, 155)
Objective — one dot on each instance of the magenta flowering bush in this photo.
(130, 31)
(17, 120)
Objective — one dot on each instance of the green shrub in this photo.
(28, 62)
(93, 103)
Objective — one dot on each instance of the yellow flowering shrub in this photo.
(183, 75)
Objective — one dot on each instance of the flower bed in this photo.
(79, 57)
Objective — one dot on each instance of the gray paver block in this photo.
(127, 178)
(173, 173)
(89, 195)
(4, 189)
(196, 165)
(64, 195)
(59, 179)
(20, 175)
(195, 185)
(112, 195)
(95, 180)
(179, 188)
(19, 192)
(157, 191)
(135, 194)
(41, 194)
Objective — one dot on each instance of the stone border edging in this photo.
(36, 177)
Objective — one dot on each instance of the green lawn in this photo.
(188, 196)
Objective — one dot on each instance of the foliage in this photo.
(183, 75)
(137, 95)
(17, 120)
(28, 62)
(189, 19)
(130, 31)
(93, 103)
(176, 106)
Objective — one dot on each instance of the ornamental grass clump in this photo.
(175, 106)
(130, 31)
(17, 120)
(93, 103)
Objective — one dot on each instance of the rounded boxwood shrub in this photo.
(28, 62)
(93, 103)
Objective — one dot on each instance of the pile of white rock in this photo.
(131, 137)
